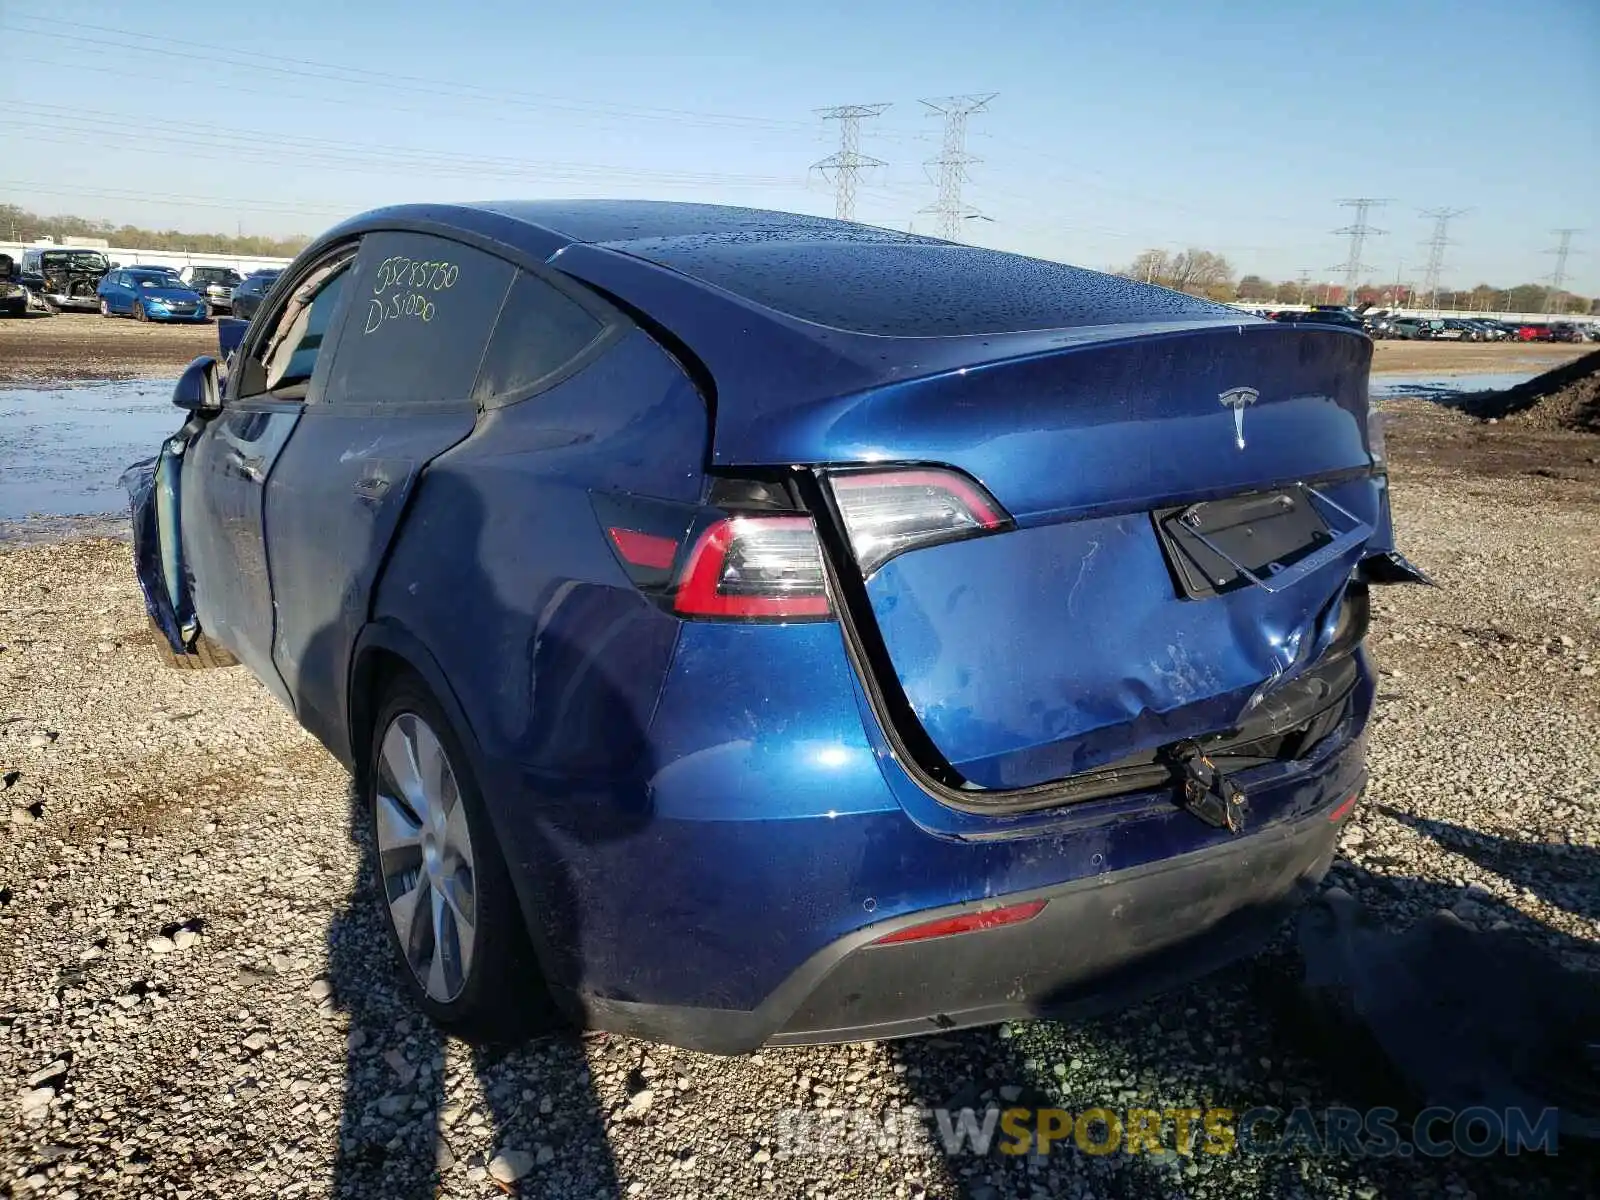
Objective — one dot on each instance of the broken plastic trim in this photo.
(1392, 567)
(1207, 792)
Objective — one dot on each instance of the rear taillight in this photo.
(754, 568)
(972, 922)
(889, 512)
(1344, 808)
(647, 550)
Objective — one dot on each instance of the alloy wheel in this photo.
(425, 857)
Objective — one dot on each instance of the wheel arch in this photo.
(383, 649)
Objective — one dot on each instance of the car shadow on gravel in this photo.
(1562, 875)
(413, 1126)
(1240, 1039)
(404, 1130)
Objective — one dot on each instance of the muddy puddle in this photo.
(62, 449)
(1444, 388)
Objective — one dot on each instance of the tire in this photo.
(492, 990)
(138, 311)
(205, 655)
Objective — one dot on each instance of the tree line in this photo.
(1204, 273)
(20, 225)
(1195, 271)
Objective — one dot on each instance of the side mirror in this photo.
(197, 389)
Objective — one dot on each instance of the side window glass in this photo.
(421, 309)
(284, 361)
(540, 331)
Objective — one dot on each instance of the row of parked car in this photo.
(1478, 329)
(192, 294)
(1381, 323)
(54, 279)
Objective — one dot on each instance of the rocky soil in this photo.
(1567, 397)
(196, 998)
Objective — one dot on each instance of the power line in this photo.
(1436, 244)
(954, 160)
(1358, 231)
(385, 81)
(1561, 250)
(261, 146)
(181, 200)
(847, 162)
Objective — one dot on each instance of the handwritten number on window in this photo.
(401, 273)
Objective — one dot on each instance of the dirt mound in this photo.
(1565, 398)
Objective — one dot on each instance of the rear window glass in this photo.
(541, 330)
(917, 288)
(420, 315)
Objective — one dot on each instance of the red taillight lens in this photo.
(991, 918)
(1343, 809)
(755, 567)
(644, 549)
(888, 512)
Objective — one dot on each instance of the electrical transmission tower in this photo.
(847, 163)
(1436, 244)
(1562, 250)
(953, 160)
(1305, 282)
(1358, 231)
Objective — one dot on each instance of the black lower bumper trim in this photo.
(1099, 944)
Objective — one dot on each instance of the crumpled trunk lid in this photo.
(1102, 626)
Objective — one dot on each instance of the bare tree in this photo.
(1198, 272)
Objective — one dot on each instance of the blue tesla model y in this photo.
(749, 628)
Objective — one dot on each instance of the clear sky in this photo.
(1115, 126)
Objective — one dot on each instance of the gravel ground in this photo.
(196, 999)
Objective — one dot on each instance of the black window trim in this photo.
(259, 332)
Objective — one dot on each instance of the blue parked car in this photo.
(751, 628)
(149, 294)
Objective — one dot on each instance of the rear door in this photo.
(399, 393)
(283, 369)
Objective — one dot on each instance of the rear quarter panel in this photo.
(501, 569)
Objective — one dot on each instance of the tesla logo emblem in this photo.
(1237, 399)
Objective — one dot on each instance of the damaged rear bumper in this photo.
(1096, 945)
(1189, 900)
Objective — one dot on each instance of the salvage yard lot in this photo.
(196, 997)
(82, 347)
(76, 346)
